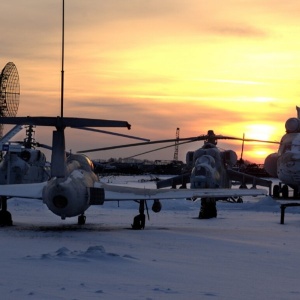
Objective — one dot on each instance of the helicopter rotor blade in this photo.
(242, 152)
(112, 133)
(34, 144)
(196, 138)
(157, 149)
(6, 138)
(44, 146)
(144, 144)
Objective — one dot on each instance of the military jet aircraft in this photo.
(285, 163)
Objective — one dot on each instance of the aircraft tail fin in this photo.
(58, 156)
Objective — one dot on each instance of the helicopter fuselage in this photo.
(285, 164)
(209, 169)
(24, 166)
(288, 162)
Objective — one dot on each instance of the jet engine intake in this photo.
(270, 164)
(60, 201)
(292, 125)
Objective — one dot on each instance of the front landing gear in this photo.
(5, 215)
(282, 191)
(208, 208)
(81, 219)
(140, 220)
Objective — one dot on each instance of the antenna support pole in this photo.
(62, 61)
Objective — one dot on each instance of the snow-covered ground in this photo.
(245, 253)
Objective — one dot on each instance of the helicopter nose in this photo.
(201, 171)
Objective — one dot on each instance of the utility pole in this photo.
(176, 144)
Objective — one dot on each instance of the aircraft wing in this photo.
(30, 190)
(119, 193)
(175, 180)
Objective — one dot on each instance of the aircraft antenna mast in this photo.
(176, 144)
(62, 61)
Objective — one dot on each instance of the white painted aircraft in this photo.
(285, 163)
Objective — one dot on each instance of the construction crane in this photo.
(176, 144)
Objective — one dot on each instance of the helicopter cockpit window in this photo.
(25, 155)
(284, 148)
(289, 142)
(200, 171)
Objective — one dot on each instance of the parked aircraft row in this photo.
(71, 186)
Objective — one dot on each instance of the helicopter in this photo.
(22, 162)
(285, 163)
(208, 168)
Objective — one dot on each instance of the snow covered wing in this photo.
(30, 190)
(117, 193)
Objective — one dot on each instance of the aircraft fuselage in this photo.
(69, 196)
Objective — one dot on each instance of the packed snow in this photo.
(244, 253)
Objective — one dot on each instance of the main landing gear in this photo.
(5, 215)
(282, 191)
(208, 208)
(81, 219)
(140, 220)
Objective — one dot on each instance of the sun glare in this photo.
(256, 155)
(259, 132)
(256, 151)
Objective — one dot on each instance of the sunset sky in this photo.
(232, 66)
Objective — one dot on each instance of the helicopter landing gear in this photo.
(208, 208)
(140, 220)
(280, 190)
(5, 215)
(81, 219)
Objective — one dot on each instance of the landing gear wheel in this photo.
(139, 221)
(5, 218)
(239, 200)
(5, 215)
(285, 191)
(276, 190)
(208, 208)
(81, 219)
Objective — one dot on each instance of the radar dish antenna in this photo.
(9, 92)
